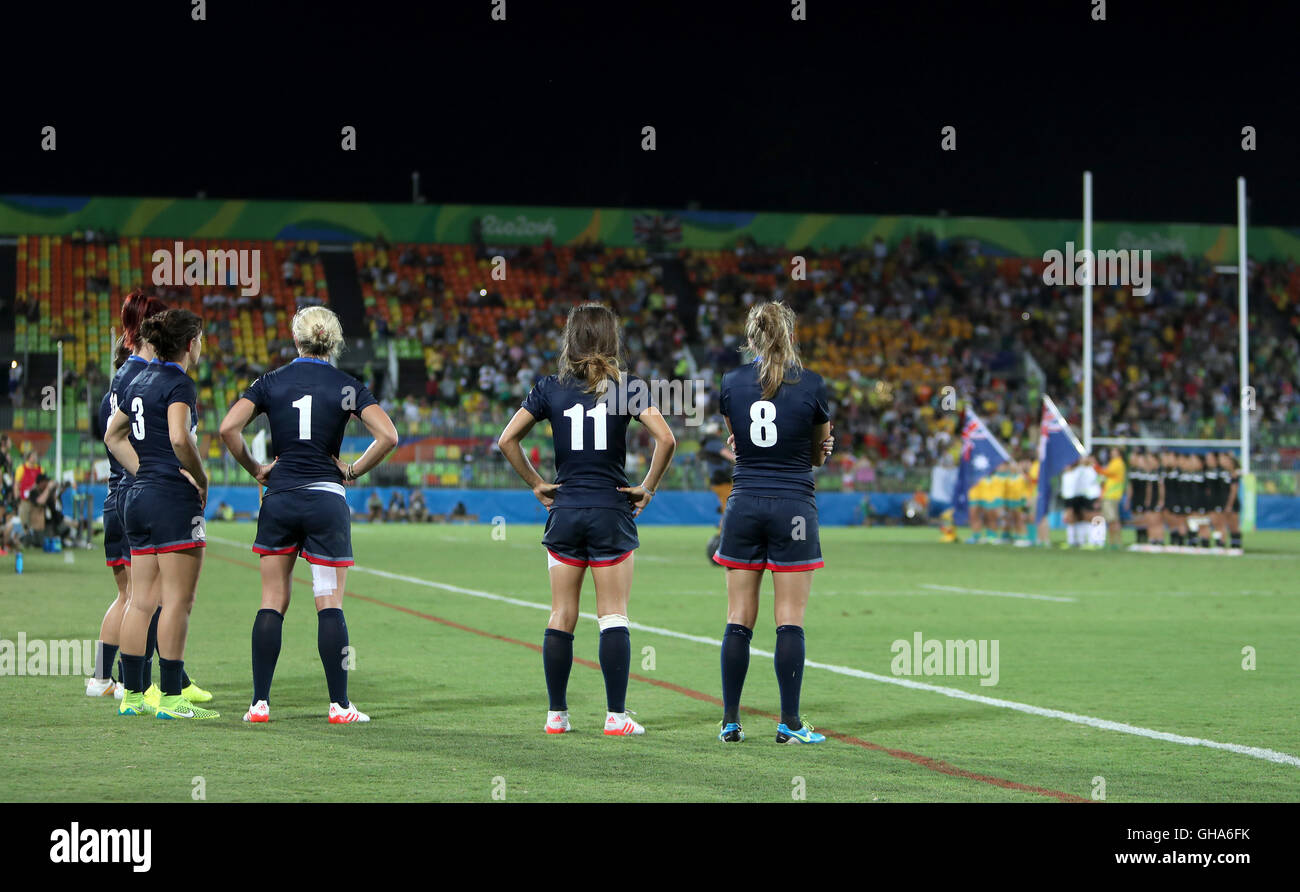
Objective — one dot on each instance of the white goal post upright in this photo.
(1087, 312)
(1242, 445)
(1244, 401)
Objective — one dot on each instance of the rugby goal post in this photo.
(1244, 403)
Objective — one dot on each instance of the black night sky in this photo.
(753, 111)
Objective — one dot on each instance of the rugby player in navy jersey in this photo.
(308, 404)
(591, 508)
(779, 419)
(131, 357)
(152, 434)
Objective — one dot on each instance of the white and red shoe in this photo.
(103, 687)
(258, 712)
(557, 722)
(617, 724)
(341, 716)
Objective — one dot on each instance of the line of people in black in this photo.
(1170, 490)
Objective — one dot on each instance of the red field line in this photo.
(915, 758)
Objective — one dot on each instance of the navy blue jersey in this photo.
(773, 437)
(145, 403)
(590, 437)
(118, 478)
(308, 403)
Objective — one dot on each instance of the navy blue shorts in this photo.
(117, 551)
(769, 533)
(159, 519)
(311, 522)
(590, 537)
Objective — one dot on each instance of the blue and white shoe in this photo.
(731, 733)
(805, 734)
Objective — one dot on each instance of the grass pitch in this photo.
(1131, 676)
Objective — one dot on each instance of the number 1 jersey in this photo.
(307, 403)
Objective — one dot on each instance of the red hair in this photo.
(137, 307)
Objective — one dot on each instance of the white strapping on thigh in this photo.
(324, 580)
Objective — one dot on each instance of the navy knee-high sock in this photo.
(132, 673)
(735, 665)
(616, 663)
(150, 646)
(789, 672)
(557, 662)
(331, 639)
(267, 630)
(169, 675)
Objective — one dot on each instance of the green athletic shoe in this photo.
(177, 707)
(134, 703)
(195, 694)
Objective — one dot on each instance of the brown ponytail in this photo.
(770, 332)
(170, 332)
(589, 350)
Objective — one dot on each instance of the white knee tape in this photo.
(612, 621)
(323, 580)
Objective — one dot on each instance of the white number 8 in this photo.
(762, 428)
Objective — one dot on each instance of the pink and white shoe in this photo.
(557, 722)
(351, 715)
(617, 724)
(258, 712)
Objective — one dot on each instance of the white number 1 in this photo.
(599, 413)
(304, 417)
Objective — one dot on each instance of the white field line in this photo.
(956, 694)
(984, 591)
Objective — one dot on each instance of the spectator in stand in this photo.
(418, 511)
(375, 507)
(396, 507)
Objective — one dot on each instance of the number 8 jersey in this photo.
(590, 437)
(773, 437)
(308, 403)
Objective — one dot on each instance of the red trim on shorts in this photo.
(180, 546)
(572, 562)
(738, 565)
(120, 562)
(268, 551)
(324, 563)
(611, 562)
(797, 568)
(135, 551)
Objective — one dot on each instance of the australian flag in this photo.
(981, 453)
(1057, 450)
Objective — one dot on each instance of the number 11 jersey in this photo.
(590, 437)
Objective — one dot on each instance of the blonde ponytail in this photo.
(770, 333)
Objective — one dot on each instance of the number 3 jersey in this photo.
(307, 403)
(146, 402)
(773, 436)
(118, 478)
(590, 437)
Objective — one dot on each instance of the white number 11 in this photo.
(598, 414)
